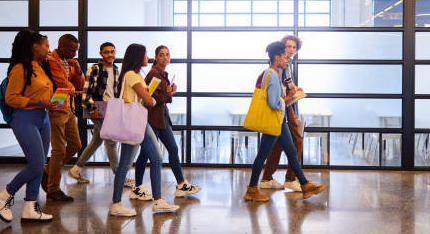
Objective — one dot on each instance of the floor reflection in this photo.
(354, 202)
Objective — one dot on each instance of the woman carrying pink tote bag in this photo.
(124, 122)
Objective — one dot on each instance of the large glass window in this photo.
(7, 39)
(251, 13)
(59, 13)
(175, 41)
(360, 113)
(219, 111)
(226, 77)
(422, 112)
(136, 13)
(422, 49)
(422, 15)
(329, 78)
(351, 45)
(8, 145)
(13, 13)
(422, 79)
(233, 45)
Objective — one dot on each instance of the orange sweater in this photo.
(40, 88)
(74, 80)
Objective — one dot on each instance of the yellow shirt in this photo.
(130, 79)
(40, 88)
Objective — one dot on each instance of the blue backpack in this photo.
(7, 111)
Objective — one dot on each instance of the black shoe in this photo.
(59, 196)
(44, 182)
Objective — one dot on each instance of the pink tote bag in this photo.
(124, 122)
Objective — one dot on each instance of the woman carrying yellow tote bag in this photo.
(266, 114)
(261, 117)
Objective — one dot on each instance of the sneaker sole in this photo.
(140, 199)
(165, 210)
(5, 220)
(121, 215)
(183, 193)
(23, 220)
(295, 190)
(264, 187)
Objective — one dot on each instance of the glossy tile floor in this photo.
(354, 202)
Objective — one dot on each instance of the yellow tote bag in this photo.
(261, 117)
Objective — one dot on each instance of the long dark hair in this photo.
(133, 60)
(22, 52)
(157, 51)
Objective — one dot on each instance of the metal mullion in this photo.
(354, 95)
(189, 79)
(119, 60)
(33, 14)
(82, 58)
(241, 29)
(355, 129)
(422, 96)
(408, 84)
(138, 29)
(310, 95)
(350, 29)
(348, 61)
(422, 61)
(57, 28)
(422, 29)
(12, 29)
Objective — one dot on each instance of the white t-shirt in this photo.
(109, 92)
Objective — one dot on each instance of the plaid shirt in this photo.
(95, 87)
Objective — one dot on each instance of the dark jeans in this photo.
(267, 142)
(168, 140)
(150, 147)
(33, 132)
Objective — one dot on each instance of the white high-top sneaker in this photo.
(6, 201)
(117, 209)
(161, 205)
(32, 212)
(140, 193)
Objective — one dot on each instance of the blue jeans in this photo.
(267, 142)
(33, 132)
(168, 140)
(150, 149)
(149, 145)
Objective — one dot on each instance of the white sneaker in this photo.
(32, 212)
(129, 183)
(293, 185)
(6, 201)
(140, 193)
(75, 173)
(161, 205)
(117, 209)
(270, 184)
(186, 188)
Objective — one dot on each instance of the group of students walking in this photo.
(35, 73)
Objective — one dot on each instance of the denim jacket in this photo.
(275, 91)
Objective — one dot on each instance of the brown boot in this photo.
(254, 194)
(309, 189)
